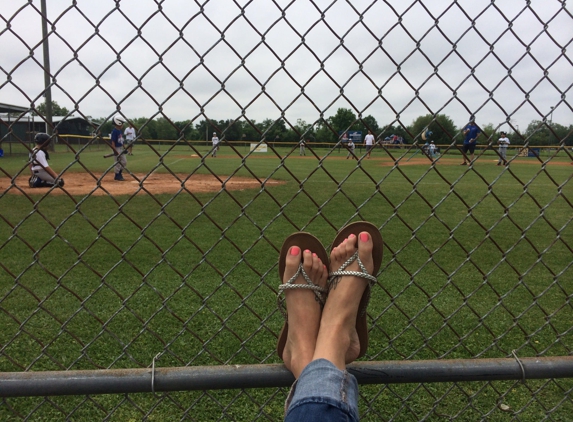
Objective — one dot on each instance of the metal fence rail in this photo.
(114, 381)
(160, 304)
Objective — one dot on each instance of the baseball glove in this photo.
(60, 183)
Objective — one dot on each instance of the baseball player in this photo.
(350, 146)
(42, 175)
(215, 141)
(432, 149)
(503, 142)
(301, 150)
(117, 146)
(471, 133)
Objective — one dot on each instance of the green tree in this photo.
(329, 130)
(232, 130)
(344, 120)
(567, 139)
(250, 131)
(442, 127)
(489, 134)
(301, 130)
(201, 130)
(539, 133)
(57, 110)
(186, 129)
(324, 132)
(165, 129)
(273, 130)
(206, 128)
(369, 123)
(148, 129)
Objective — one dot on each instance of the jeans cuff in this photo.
(321, 380)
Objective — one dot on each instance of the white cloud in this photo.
(498, 57)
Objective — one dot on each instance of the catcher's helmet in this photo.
(42, 138)
(118, 121)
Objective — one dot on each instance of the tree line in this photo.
(329, 129)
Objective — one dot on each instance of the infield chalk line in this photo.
(176, 161)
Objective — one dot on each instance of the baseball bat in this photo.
(122, 152)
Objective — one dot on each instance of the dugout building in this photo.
(19, 126)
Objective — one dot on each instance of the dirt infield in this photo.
(83, 183)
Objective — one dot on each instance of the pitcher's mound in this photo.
(84, 183)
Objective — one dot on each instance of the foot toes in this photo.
(307, 262)
(319, 272)
(292, 262)
(365, 247)
(311, 263)
(348, 247)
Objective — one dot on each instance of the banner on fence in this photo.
(355, 135)
(259, 147)
(529, 152)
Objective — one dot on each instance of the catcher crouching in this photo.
(42, 175)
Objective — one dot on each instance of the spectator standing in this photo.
(369, 142)
(130, 135)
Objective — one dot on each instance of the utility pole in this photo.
(550, 124)
(47, 75)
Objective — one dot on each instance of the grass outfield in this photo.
(477, 263)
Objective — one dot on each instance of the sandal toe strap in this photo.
(319, 292)
(363, 273)
(366, 276)
(335, 276)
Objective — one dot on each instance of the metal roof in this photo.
(9, 108)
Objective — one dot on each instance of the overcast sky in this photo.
(302, 58)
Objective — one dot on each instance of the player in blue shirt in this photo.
(471, 132)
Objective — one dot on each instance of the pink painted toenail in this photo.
(314, 255)
(364, 237)
(295, 250)
(351, 236)
(307, 251)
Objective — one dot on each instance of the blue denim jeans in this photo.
(323, 393)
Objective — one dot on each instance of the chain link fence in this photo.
(175, 291)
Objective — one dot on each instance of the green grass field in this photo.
(477, 263)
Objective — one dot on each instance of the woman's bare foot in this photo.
(338, 339)
(304, 310)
